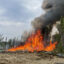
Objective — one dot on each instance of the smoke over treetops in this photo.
(54, 10)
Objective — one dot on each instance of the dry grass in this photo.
(29, 58)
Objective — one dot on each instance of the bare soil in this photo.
(29, 58)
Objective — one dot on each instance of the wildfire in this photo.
(35, 43)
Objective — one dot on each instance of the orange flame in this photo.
(35, 43)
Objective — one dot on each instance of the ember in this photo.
(35, 43)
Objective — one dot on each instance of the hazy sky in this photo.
(16, 15)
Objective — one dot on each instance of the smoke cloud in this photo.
(54, 10)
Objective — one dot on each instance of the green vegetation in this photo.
(60, 37)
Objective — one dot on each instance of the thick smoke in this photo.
(54, 10)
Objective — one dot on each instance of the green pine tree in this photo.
(60, 37)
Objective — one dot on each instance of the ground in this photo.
(29, 58)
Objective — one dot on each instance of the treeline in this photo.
(6, 44)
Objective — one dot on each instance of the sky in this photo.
(16, 16)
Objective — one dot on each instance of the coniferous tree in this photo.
(60, 37)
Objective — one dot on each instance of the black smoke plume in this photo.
(54, 10)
